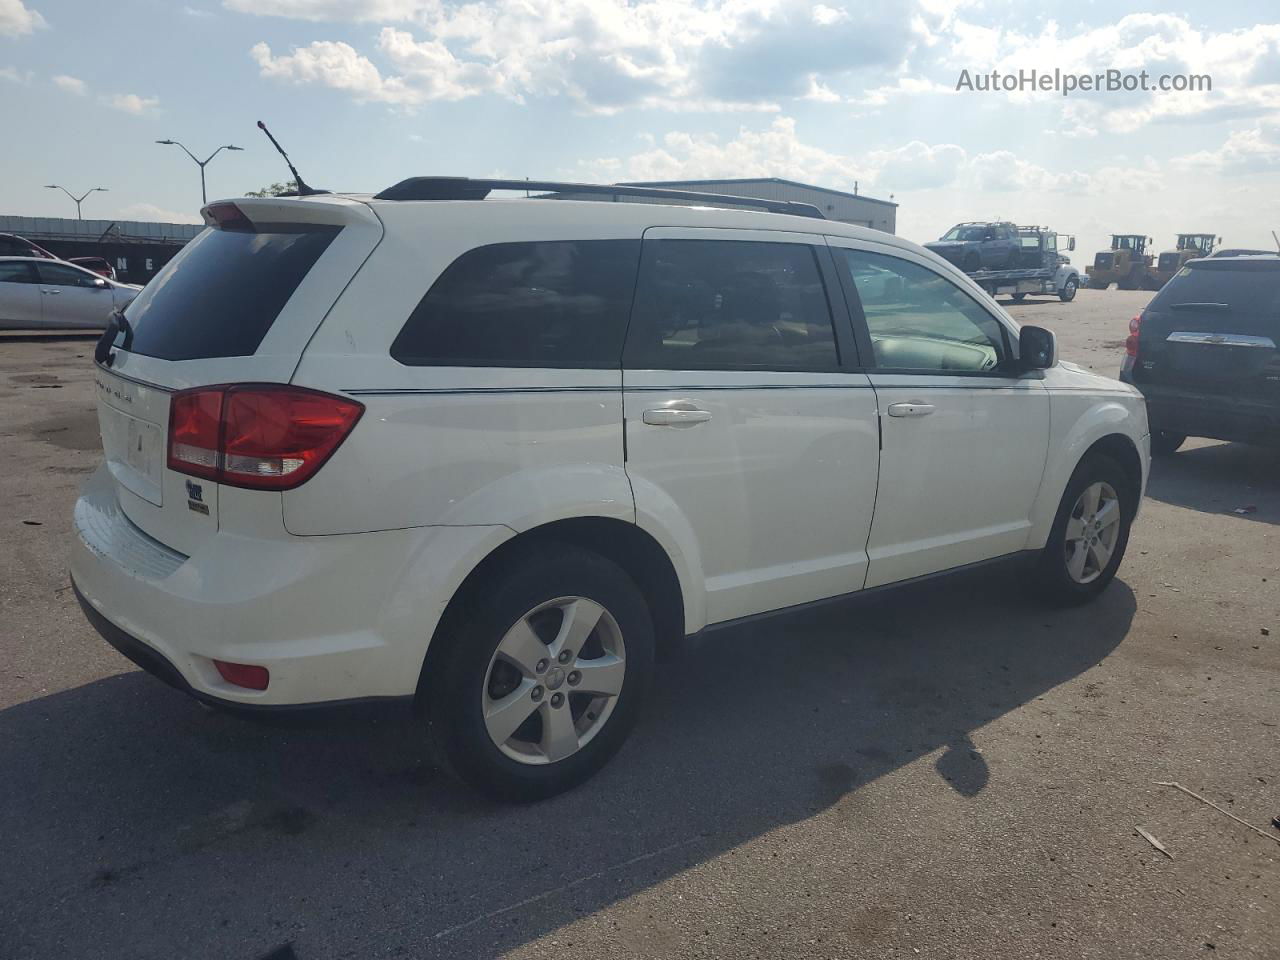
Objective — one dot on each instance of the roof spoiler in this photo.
(465, 188)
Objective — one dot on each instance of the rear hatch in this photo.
(237, 305)
(1214, 328)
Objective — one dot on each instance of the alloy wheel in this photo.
(1093, 529)
(554, 680)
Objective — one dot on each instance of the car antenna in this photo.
(303, 189)
(1276, 239)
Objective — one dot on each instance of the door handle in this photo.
(913, 408)
(51, 293)
(678, 413)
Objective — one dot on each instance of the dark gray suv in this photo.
(979, 246)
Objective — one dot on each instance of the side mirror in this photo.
(1037, 348)
(1071, 243)
(98, 283)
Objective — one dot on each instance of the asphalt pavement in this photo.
(948, 770)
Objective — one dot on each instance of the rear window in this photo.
(559, 303)
(1247, 286)
(222, 293)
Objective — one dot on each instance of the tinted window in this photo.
(57, 275)
(13, 247)
(1251, 286)
(920, 320)
(220, 295)
(16, 272)
(730, 305)
(560, 303)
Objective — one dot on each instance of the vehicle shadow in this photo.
(1214, 477)
(137, 824)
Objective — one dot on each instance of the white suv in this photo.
(495, 454)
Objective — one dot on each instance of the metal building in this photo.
(135, 248)
(839, 205)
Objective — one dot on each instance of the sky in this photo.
(363, 93)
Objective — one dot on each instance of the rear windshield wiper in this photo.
(119, 323)
(1199, 306)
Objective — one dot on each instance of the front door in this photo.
(746, 425)
(72, 297)
(965, 437)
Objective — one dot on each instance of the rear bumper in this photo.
(332, 618)
(1208, 415)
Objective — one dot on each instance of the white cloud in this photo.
(14, 75)
(1256, 150)
(17, 19)
(604, 54)
(197, 12)
(150, 213)
(1244, 65)
(919, 166)
(70, 84)
(131, 103)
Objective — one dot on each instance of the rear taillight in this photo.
(1131, 344)
(263, 436)
(227, 216)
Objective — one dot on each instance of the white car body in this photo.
(795, 487)
(39, 293)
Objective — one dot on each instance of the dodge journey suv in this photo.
(495, 455)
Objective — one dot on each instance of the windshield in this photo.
(964, 233)
(1244, 287)
(1125, 243)
(222, 293)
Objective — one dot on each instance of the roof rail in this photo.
(465, 188)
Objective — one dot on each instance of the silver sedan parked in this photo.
(36, 293)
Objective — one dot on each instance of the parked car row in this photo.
(44, 292)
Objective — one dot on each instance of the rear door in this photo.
(72, 297)
(748, 423)
(20, 300)
(1215, 329)
(237, 304)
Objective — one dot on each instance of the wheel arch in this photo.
(629, 546)
(1107, 428)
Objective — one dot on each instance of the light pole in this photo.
(54, 186)
(200, 163)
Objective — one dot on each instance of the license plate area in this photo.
(134, 450)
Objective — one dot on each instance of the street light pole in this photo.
(204, 197)
(77, 200)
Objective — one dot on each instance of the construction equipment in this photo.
(1191, 246)
(1126, 263)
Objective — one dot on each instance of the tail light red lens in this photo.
(263, 436)
(1131, 344)
(245, 675)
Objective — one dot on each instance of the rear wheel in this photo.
(1068, 292)
(1164, 444)
(1090, 533)
(1019, 297)
(543, 675)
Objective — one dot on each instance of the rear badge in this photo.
(195, 498)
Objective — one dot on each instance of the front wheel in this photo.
(1068, 291)
(543, 674)
(1090, 532)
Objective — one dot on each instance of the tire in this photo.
(1133, 280)
(1068, 291)
(1059, 576)
(1165, 444)
(549, 597)
(972, 263)
(1019, 297)
(1097, 284)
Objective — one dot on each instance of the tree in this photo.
(271, 190)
